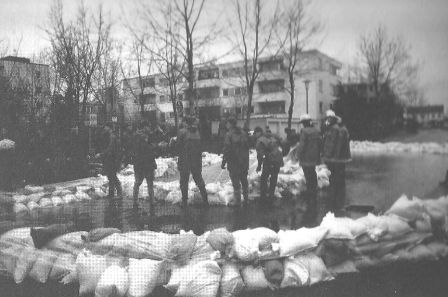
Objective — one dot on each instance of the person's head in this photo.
(305, 120)
(231, 123)
(258, 131)
(331, 117)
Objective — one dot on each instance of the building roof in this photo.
(425, 109)
(15, 59)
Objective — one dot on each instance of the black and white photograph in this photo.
(233, 148)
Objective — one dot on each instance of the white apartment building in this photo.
(221, 91)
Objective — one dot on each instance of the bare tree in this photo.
(300, 30)
(388, 60)
(254, 38)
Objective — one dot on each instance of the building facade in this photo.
(221, 91)
(428, 115)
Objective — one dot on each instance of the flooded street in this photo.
(376, 180)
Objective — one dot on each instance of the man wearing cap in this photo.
(190, 159)
(270, 156)
(236, 155)
(336, 153)
(111, 157)
(308, 152)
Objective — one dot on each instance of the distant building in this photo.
(428, 115)
(221, 92)
(32, 77)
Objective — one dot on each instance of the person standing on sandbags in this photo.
(144, 160)
(236, 155)
(336, 153)
(190, 159)
(308, 152)
(111, 157)
(270, 160)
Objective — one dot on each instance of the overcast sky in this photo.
(423, 24)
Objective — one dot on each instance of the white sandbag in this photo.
(62, 192)
(337, 229)
(64, 264)
(408, 209)
(296, 241)
(8, 257)
(45, 202)
(43, 265)
(68, 243)
(174, 197)
(422, 253)
(221, 240)
(89, 269)
(114, 282)
(35, 197)
(143, 275)
(177, 274)
(83, 189)
(439, 249)
(70, 198)
(396, 226)
(24, 263)
(20, 236)
(202, 250)
(232, 283)
(254, 278)
(20, 208)
(57, 201)
(181, 247)
(32, 205)
(316, 268)
(81, 196)
(20, 198)
(423, 225)
(245, 246)
(203, 282)
(99, 193)
(376, 227)
(213, 188)
(296, 274)
(34, 189)
(265, 237)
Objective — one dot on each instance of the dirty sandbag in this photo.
(24, 264)
(232, 283)
(295, 274)
(410, 209)
(316, 268)
(89, 269)
(254, 278)
(202, 282)
(245, 246)
(43, 265)
(265, 237)
(181, 247)
(202, 249)
(68, 243)
(64, 264)
(100, 233)
(273, 271)
(220, 239)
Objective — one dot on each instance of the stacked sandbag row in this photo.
(398, 147)
(35, 197)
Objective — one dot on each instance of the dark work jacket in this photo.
(336, 145)
(190, 149)
(309, 147)
(236, 150)
(144, 152)
(268, 150)
(112, 154)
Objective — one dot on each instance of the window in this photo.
(148, 98)
(333, 69)
(148, 82)
(37, 74)
(321, 86)
(164, 82)
(162, 98)
(208, 74)
(270, 66)
(271, 86)
(225, 92)
(320, 64)
(207, 93)
(2, 69)
(321, 107)
(334, 89)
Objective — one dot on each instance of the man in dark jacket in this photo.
(336, 153)
(111, 157)
(309, 151)
(236, 155)
(270, 158)
(144, 160)
(190, 159)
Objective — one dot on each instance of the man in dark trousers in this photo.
(336, 153)
(190, 159)
(236, 155)
(270, 159)
(111, 157)
(144, 160)
(309, 152)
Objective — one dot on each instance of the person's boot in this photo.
(237, 198)
(246, 198)
(204, 196)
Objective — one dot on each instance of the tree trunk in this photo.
(249, 107)
(291, 104)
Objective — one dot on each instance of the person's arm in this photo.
(226, 150)
(302, 144)
(261, 150)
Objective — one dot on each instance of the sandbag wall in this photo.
(223, 263)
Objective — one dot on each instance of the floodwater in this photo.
(376, 180)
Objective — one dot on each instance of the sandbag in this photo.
(69, 198)
(232, 283)
(9, 256)
(439, 249)
(396, 227)
(41, 236)
(316, 268)
(24, 263)
(45, 202)
(20, 236)
(265, 237)
(292, 242)
(33, 189)
(81, 196)
(181, 247)
(406, 208)
(345, 267)
(32, 205)
(143, 276)
(245, 246)
(89, 269)
(20, 208)
(43, 265)
(64, 264)
(68, 243)
(57, 201)
(99, 233)
(422, 253)
(273, 271)
(114, 282)
(295, 274)
(202, 250)
(254, 278)
(202, 282)
(221, 239)
(338, 228)
(335, 251)
(376, 227)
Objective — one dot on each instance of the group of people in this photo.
(331, 147)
